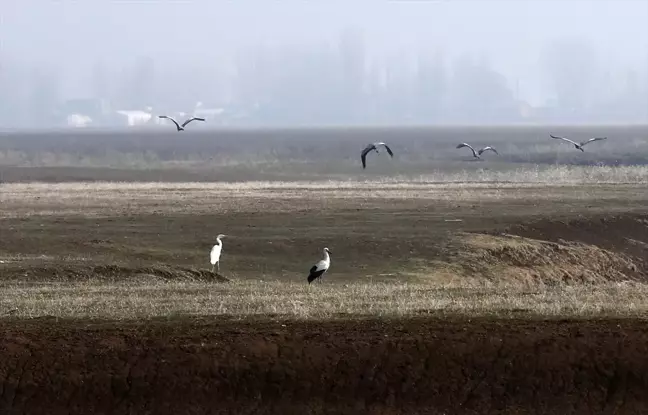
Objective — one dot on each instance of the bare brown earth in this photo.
(531, 228)
(417, 366)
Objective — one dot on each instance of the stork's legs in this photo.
(218, 266)
(212, 267)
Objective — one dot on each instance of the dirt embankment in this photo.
(414, 366)
(584, 250)
(76, 273)
(626, 233)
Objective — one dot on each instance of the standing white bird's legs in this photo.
(218, 267)
(212, 267)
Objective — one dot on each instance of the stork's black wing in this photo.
(169, 118)
(192, 119)
(489, 148)
(315, 273)
(363, 155)
(564, 139)
(462, 145)
(592, 140)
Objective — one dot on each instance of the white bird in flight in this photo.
(181, 127)
(373, 147)
(214, 255)
(476, 154)
(579, 146)
(318, 270)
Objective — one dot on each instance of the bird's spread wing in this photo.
(388, 149)
(564, 139)
(192, 119)
(593, 139)
(462, 145)
(364, 153)
(489, 148)
(169, 118)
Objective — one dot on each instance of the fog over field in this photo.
(109, 63)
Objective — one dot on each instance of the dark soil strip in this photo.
(416, 366)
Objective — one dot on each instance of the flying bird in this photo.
(214, 255)
(476, 154)
(181, 127)
(373, 147)
(318, 270)
(579, 146)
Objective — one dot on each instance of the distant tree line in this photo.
(322, 84)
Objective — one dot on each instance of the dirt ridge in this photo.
(512, 258)
(108, 272)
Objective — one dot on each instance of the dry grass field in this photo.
(141, 250)
(537, 260)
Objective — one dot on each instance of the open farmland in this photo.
(455, 286)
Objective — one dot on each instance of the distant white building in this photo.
(78, 120)
(133, 118)
(207, 113)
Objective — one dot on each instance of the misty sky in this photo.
(72, 35)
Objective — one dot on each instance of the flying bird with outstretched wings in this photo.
(578, 146)
(477, 154)
(181, 127)
(373, 147)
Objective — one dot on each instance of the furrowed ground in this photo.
(537, 261)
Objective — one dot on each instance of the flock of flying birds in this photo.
(319, 269)
(374, 146)
(476, 153)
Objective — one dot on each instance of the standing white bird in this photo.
(579, 146)
(214, 255)
(373, 147)
(318, 270)
(181, 127)
(476, 154)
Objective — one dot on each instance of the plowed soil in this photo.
(416, 366)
